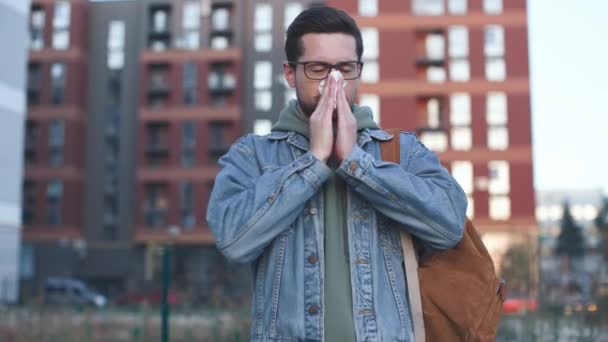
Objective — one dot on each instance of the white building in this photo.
(14, 36)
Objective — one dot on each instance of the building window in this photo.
(37, 28)
(462, 171)
(498, 189)
(54, 194)
(58, 77)
(115, 45)
(499, 177)
(221, 33)
(435, 74)
(428, 7)
(262, 127)
(188, 143)
(187, 205)
(217, 139)
(500, 207)
(292, 9)
(31, 141)
(496, 118)
(157, 149)
(368, 8)
(159, 34)
(290, 94)
(457, 6)
(262, 83)
(371, 53)
(435, 46)
(155, 205)
(28, 202)
(431, 123)
(221, 82)
(56, 142)
(61, 25)
(494, 49)
(158, 91)
(373, 102)
(189, 83)
(492, 6)
(459, 53)
(460, 119)
(191, 15)
(262, 26)
(33, 84)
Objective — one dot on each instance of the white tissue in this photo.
(336, 75)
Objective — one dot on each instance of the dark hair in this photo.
(320, 19)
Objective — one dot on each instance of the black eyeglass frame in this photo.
(330, 67)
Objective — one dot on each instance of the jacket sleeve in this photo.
(420, 193)
(249, 207)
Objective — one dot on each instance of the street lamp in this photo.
(173, 232)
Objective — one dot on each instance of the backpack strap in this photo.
(391, 152)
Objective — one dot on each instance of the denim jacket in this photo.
(266, 208)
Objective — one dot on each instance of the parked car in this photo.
(64, 290)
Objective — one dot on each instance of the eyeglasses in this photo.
(318, 71)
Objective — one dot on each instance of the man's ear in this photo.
(290, 74)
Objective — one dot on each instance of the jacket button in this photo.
(313, 309)
(312, 211)
(312, 259)
(352, 166)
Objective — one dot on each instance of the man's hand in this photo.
(321, 130)
(346, 135)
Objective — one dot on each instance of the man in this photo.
(313, 208)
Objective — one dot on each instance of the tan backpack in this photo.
(454, 294)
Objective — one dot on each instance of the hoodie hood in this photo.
(292, 118)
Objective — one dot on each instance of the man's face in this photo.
(321, 47)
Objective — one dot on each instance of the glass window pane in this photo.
(373, 102)
(494, 41)
(462, 171)
(428, 7)
(262, 127)
(500, 207)
(370, 72)
(219, 43)
(263, 42)
(498, 138)
(498, 177)
(458, 37)
(370, 41)
(496, 108)
(290, 94)
(433, 113)
(496, 69)
(160, 20)
(61, 39)
(459, 70)
(262, 75)
(263, 18)
(436, 141)
(435, 46)
(457, 6)
(61, 19)
(292, 10)
(220, 19)
(263, 100)
(435, 74)
(191, 15)
(461, 138)
(492, 6)
(368, 8)
(460, 109)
